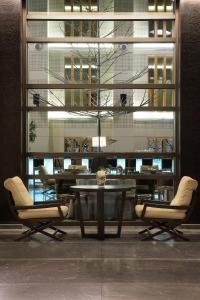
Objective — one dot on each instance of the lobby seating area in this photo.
(99, 156)
(163, 216)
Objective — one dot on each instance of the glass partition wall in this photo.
(101, 82)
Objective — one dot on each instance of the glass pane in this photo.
(122, 132)
(151, 70)
(160, 29)
(169, 5)
(99, 5)
(77, 69)
(101, 29)
(77, 28)
(129, 165)
(160, 70)
(77, 98)
(68, 5)
(138, 132)
(169, 30)
(160, 6)
(151, 29)
(151, 5)
(169, 70)
(153, 165)
(120, 97)
(115, 63)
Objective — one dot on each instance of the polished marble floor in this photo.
(120, 269)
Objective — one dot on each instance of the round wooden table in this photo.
(100, 207)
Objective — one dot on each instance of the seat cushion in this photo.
(50, 212)
(160, 213)
(185, 189)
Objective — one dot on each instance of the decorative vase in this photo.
(101, 177)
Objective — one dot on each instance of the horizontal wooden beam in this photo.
(100, 108)
(88, 176)
(114, 86)
(130, 155)
(121, 40)
(101, 16)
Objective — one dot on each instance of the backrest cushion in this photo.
(19, 192)
(184, 193)
(42, 171)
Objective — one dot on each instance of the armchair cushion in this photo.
(19, 192)
(43, 172)
(184, 193)
(160, 213)
(40, 213)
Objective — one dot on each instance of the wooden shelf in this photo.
(131, 155)
(90, 176)
(121, 40)
(101, 108)
(100, 16)
(108, 86)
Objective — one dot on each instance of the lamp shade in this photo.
(96, 139)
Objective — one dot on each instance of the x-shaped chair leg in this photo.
(146, 230)
(41, 228)
(164, 227)
(150, 236)
(57, 230)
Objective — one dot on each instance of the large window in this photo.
(101, 80)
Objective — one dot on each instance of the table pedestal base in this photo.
(101, 235)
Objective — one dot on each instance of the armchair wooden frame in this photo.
(165, 225)
(38, 224)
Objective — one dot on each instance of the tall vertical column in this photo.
(10, 99)
(190, 92)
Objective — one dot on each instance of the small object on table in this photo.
(101, 178)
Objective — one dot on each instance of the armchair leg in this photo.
(146, 230)
(150, 236)
(50, 235)
(163, 228)
(41, 228)
(58, 230)
(25, 234)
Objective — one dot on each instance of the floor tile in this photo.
(88, 269)
(51, 292)
(138, 291)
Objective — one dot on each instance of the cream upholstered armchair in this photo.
(37, 217)
(165, 218)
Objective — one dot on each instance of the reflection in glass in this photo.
(73, 132)
(169, 28)
(101, 29)
(160, 28)
(151, 29)
(128, 165)
(71, 6)
(161, 71)
(92, 62)
(102, 97)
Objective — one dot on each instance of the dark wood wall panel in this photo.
(10, 97)
(190, 92)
